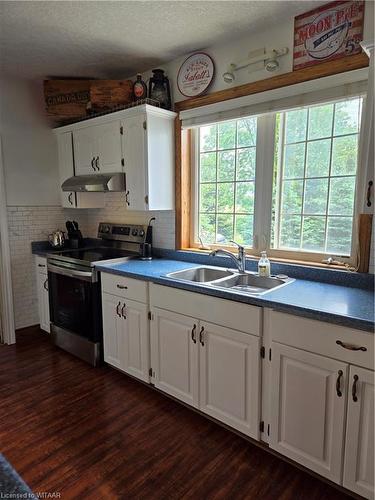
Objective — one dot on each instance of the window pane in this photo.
(244, 197)
(344, 155)
(318, 157)
(227, 135)
(292, 197)
(225, 197)
(243, 232)
(246, 132)
(207, 198)
(224, 228)
(316, 191)
(290, 231)
(313, 233)
(207, 227)
(294, 161)
(341, 196)
(347, 117)
(339, 237)
(296, 125)
(246, 164)
(320, 121)
(226, 166)
(208, 138)
(208, 167)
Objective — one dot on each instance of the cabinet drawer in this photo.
(122, 286)
(242, 317)
(41, 264)
(321, 338)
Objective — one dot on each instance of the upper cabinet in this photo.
(138, 141)
(66, 170)
(97, 149)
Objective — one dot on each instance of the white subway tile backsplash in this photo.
(34, 223)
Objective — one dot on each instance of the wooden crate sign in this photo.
(328, 32)
(106, 94)
(66, 99)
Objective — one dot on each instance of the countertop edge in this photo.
(352, 322)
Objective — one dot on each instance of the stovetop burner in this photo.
(96, 254)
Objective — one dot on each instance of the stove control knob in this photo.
(141, 233)
(105, 229)
(134, 232)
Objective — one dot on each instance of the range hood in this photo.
(95, 183)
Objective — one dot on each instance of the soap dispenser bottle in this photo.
(264, 265)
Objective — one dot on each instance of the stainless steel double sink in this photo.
(247, 283)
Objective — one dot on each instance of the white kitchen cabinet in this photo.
(148, 151)
(138, 141)
(209, 367)
(126, 333)
(308, 404)
(229, 377)
(359, 443)
(174, 355)
(69, 199)
(42, 293)
(97, 148)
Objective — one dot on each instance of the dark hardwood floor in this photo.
(96, 433)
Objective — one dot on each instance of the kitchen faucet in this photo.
(240, 260)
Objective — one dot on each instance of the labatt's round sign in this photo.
(332, 30)
(195, 74)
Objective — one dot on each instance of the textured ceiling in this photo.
(108, 39)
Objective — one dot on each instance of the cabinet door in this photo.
(359, 449)
(135, 161)
(229, 377)
(174, 355)
(66, 167)
(136, 357)
(84, 141)
(108, 153)
(308, 398)
(113, 330)
(43, 301)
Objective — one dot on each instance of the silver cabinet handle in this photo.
(351, 347)
(122, 287)
(201, 336)
(117, 310)
(70, 198)
(45, 285)
(368, 196)
(122, 311)
(126, 198)
(97, 163)
(92, 163)
(193, 337)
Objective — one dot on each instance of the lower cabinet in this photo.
(359, 442)
(210, 367)
(42, 293)
(308, 402)
(125, 335)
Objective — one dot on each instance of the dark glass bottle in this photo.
(139, 89)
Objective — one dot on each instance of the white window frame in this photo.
(265, 148)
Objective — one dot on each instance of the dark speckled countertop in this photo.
(347, 306)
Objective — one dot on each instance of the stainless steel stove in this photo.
(74, 286)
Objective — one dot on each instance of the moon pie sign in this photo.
(195, 74)
(329, 32)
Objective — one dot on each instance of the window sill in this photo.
(303, 263)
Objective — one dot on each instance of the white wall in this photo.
(237, 49)
(29, 149)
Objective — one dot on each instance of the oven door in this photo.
(75, 301)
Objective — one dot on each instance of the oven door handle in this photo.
(72, 273)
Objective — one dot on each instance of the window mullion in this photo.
(263, 181)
